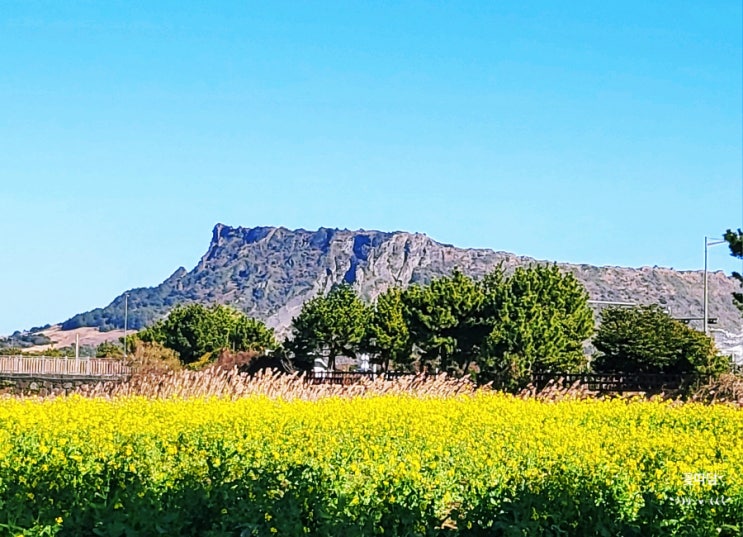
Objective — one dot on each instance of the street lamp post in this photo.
(707, 244)
(126, 315)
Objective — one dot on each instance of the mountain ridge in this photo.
(268, 272)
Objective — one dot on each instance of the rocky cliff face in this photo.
(269, 272)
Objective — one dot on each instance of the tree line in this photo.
(501, 328)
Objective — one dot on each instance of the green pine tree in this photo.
(335, 324)
(539, 320)
(645, 339)
(388, 335)
(443, 321)
(735, 241)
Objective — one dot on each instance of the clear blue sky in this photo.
(593, 132)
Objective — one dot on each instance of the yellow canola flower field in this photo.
(483, 464)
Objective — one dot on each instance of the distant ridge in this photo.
(269, 272)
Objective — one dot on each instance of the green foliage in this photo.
(108, 349)
(398, 466)
(645, 339)
(55, 352)
(388, 334)
(307, 338)
(21, 340)
(145, 306)
(335, 324)
(499, 329)
(536, 320)
(539, 319)
(250, 334)
(735, 241)
(195, 330)
(443, 318)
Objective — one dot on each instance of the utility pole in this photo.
(707, 244)
(126, 314)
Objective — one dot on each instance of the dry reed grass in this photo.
(558, 390)
(727, 388)
(152, 359)
(219, 382)
(225, 379)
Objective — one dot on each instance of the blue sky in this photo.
(590, 132)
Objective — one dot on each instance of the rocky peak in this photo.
(268, 272)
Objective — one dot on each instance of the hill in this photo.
(268, 272)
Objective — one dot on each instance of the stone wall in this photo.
(46, 385)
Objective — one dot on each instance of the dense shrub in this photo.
(645, 339)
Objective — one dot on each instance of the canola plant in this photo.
(482, 464)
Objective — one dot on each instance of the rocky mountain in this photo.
(268, 272)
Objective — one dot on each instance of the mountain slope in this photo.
(269, 272)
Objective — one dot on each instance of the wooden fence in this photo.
(647, 382)
(638, 382)
(42, 366)
(348, 377)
